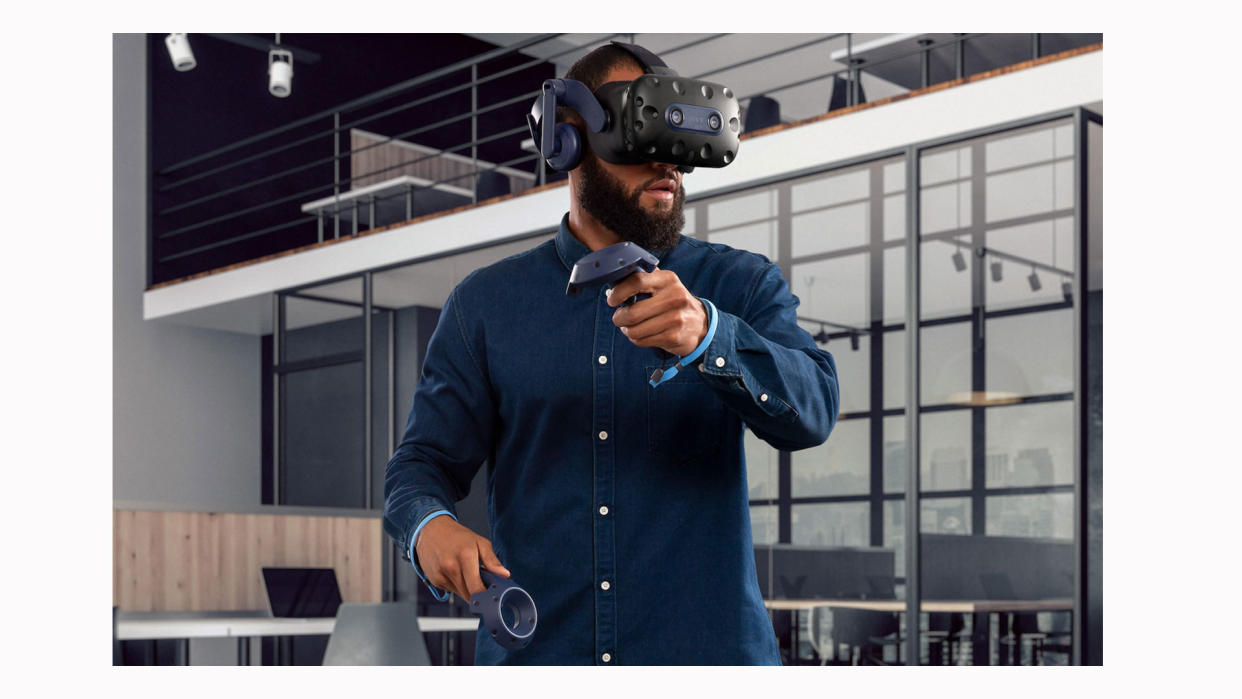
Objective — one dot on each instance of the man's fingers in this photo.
(449, 578)
(646, 309)
(472, 582)
(639, 282)
(651, 328)
(489, 559)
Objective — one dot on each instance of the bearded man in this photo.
(621, 507)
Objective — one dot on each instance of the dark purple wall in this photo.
(225, 99)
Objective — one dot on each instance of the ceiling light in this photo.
(959, 260)
(854, 341)
(279, 71)
(1067, 290)
(1034, 280)
(996, 271)
(821, 337)
(179, 51)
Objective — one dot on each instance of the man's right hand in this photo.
(450, 556)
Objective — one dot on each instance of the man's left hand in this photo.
(673, 319)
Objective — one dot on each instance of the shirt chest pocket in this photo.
(686, 421)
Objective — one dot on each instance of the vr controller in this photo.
(614, 263)
(658, 117)
(508, 613)
(608, 265)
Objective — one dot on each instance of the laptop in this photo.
(301, 592)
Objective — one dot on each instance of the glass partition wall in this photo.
(997, 430)
(984, 525)
(999, 361)
(828, 521)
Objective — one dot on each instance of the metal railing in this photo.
(205, 206)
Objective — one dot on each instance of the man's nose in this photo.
(666, 169)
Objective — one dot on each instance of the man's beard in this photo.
(604, 198)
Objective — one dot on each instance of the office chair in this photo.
(761, 112)
(945, 630)
(864, 631)
(1060, 639)
(377, 634)
(1021, 624)
(839, 97)
(492, 184)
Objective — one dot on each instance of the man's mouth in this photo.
(662, 190)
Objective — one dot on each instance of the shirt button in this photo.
(719, 361)
(606, 657)
(604, 585)
(763, 398)
(603, 435)
(603, 359)
(603, 510)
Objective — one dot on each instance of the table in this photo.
(391, 200)
(983, 608)
(244, 625)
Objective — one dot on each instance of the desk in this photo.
(978, 607)
(243, 625)
(397, 199)
(983, 606)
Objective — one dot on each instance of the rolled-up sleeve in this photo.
(447, 434)
(769, 370)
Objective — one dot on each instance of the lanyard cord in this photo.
(659, 376)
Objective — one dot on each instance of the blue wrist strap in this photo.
(662, 375)
(440, 595)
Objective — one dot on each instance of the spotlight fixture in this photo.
(1067, 290)
(1034, 280)
(180, 53)
(279, 70)
(854, 341)
(996, 271)
(959, 260)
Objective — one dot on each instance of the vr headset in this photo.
(659, 117)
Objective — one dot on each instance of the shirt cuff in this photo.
(440, 595)
(723, 366)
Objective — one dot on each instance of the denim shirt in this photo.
(620, 507)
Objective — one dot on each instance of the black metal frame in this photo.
(978, 493)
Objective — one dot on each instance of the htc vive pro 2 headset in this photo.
(658, 117)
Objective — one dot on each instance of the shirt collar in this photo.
(570, 249)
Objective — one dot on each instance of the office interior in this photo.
(280, 260)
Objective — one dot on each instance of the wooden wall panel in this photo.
(200, 561)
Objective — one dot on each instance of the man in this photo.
(620, 507)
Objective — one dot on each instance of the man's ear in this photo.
(572, 117)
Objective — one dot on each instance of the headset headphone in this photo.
(658, 117)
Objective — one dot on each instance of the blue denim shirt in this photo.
(594, 475)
